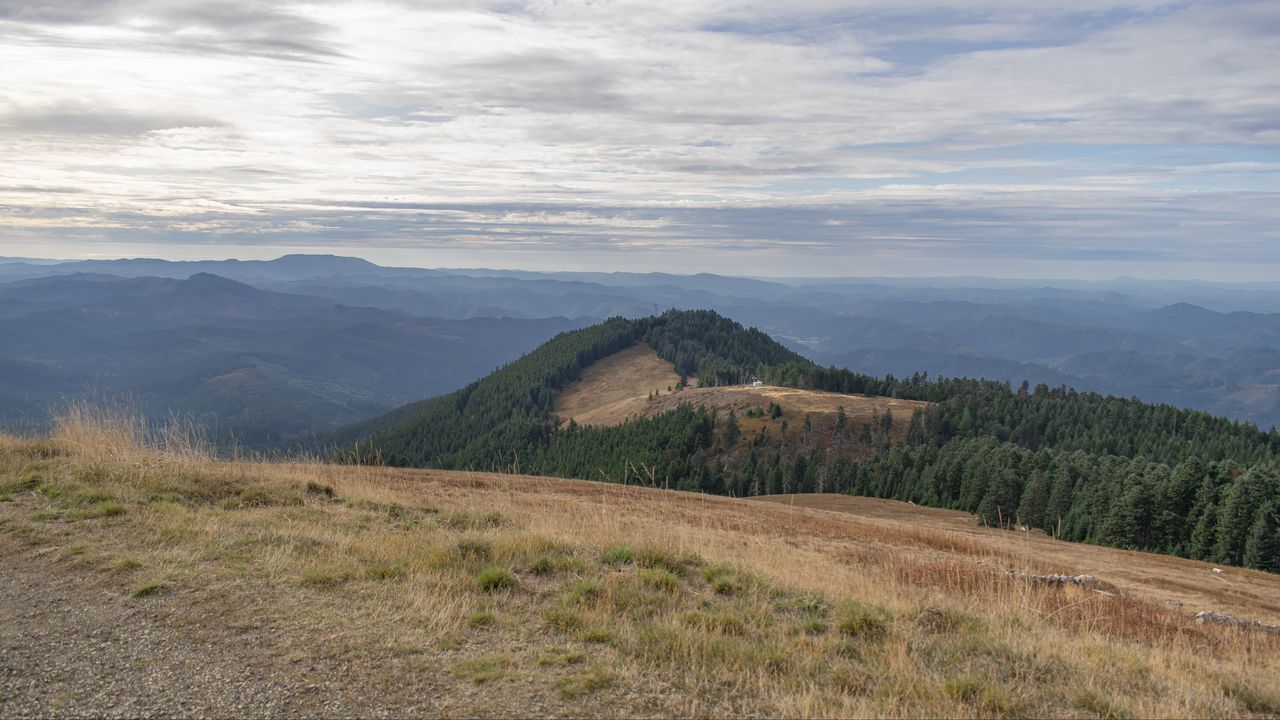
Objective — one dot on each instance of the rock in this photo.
(1205, 616)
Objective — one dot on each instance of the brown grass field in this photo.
(617, 387)
(636, 382)
(466, 594)
(1187, 584)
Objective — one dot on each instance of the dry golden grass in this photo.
(589, 599)
(616, 387)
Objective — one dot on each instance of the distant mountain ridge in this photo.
(1207, 345)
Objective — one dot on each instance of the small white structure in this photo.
(756, 383)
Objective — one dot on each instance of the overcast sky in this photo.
(810, 137)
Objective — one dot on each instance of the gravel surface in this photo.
(70, 647)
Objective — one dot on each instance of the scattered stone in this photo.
(1205, 616)
(1085, 581)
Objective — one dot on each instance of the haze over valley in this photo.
(264, 351)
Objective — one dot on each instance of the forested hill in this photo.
(505, 419)
(1082, 466)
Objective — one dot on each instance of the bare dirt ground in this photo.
(617, 387)
(71, 646)
(1178, 582)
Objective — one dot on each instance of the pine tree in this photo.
(1035, 498)
(1262, 549)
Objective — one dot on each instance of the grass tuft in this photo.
(147, 588)
(863, 621)
(484, 618)
(323, 577)
(483, 669)
(495, 577)
(618, 555)
(660, 579)
(572, 687)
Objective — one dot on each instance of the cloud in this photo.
(73, 118)
(987, 130)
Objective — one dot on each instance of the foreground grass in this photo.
(583, 599)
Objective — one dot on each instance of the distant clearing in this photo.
(1175, 581)
(617, 387)
(822, 407)
(636, 382)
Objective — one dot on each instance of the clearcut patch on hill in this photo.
(636, 382)
(617, 387)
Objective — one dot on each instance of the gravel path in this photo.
(71, 648)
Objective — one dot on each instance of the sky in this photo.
(812, 137)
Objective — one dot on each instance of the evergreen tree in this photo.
(1262, 549)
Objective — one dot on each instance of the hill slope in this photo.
(406, 593)
(1081, 466)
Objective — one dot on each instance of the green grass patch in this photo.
(723, 621)
(618, 555)
(484, 618)
(483, 669)
(323, 577)
(561, 656)
(724, 579)
(863, 621)
(550, 564)
(601, 636)
(652, 557)
(978, 691)
(147, 588)
(29, 480)
(472, 521)
(126, 564)
(384, 571)
(75, 550)
(563, 619)
(659, 579)
(495, 577)
(576, 685)
(583, 590)
(1095, 703)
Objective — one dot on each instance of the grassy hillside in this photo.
(453, 593)
(1081, 466)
